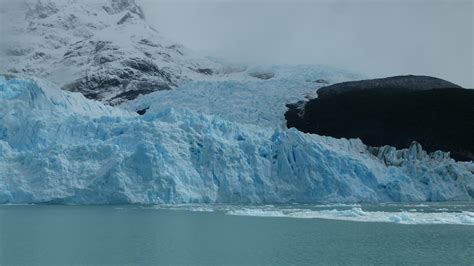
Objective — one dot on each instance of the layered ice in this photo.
(59, 147)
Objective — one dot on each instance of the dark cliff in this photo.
(393, 111)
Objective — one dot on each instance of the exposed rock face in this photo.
(42, 10)
(103, 48)
(393, 113)
(262, 74)
(409, 82)
(118, 6)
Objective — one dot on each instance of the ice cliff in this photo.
(60, 147)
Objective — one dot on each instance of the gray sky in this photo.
(376, 38)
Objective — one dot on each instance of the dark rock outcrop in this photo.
(206, 71)
(389, 112)
(42, 10)
(262, 74)
(117, 6)
(143, 111)
(409, 82)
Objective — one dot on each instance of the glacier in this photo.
(59, 147)
(245, 96)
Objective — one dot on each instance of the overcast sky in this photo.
(376, 38)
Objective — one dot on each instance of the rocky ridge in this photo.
(104, 49)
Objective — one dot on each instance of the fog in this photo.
(376, 38)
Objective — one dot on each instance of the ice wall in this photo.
(59, 147)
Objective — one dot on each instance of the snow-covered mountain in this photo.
(57, 146)
(104, 49)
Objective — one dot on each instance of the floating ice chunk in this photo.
(359, 215)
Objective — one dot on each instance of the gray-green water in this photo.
(147, 235)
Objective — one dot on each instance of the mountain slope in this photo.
(104, 49)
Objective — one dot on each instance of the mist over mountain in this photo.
(103, 49)
(378, 38)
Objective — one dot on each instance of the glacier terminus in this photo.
(59, 147)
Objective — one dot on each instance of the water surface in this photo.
(204, 234)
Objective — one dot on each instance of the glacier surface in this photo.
(245, 96)
(59, 147)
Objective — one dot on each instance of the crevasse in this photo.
(59, 147)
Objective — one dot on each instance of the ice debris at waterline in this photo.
(359, 215)
(434, 213)
(59, 147)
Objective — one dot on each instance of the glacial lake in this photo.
(230, 234)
